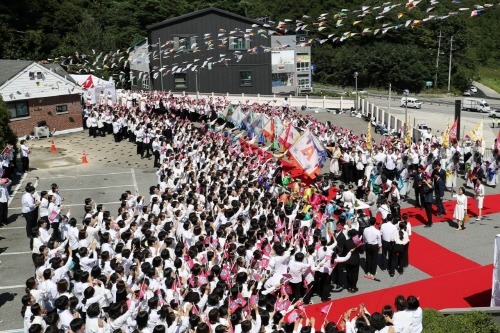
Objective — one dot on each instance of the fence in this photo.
(338, 103)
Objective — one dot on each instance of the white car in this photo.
(467, 93)
(494, 114)
(473, 89)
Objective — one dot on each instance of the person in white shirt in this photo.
(4, 199)
(401, 239)
(387, 231)
(296, 269)
(402, 320)
(413, 307)
(25, 151)
(373, 243)
(29, 209)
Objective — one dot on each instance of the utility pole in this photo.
(449, 69)
(390, 90)
(161, 65)
(437, 60)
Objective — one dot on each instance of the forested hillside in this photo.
(392, 42)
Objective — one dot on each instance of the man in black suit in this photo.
(339, 274)
(428, 193)
(439, 186)
(351, 265)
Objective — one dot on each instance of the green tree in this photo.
(7, 136)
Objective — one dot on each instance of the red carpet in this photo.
(417, 216)
(465, 288)
(435, 259)
(456, 281)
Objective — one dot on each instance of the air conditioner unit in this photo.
(39, 132)
(302, 39)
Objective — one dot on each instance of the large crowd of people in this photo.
(226, 240)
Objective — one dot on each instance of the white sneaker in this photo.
(478, 218)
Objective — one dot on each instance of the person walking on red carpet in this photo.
(428, 191)
(479, 195)
(460, 208)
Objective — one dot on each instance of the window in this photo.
(145, 82)
(61, 109)
(246, 78)
(185, 43)
(180, 81)
(32, 75)
(18, 110)
(239, 43)
(282, 79)
(304, 83)
(303, 67)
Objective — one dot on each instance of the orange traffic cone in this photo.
(84, 158)
(53, 147)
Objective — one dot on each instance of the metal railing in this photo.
(338, 103)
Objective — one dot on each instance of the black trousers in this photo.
(55, 232)
(139, 147)
(371, 258)
(157, 158)
(339, 275)
(397, 258)
(419, 203)
(146, 148)
(25, 163)
(308, 294)
(296, 291)
(386, 253)
(428, 211)
(323, 285)
(439, 204)
(30, 224)
(352, 275)
(4, 208)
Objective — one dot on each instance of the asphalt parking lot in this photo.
(114, 168)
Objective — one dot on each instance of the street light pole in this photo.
(406, 92)
(356, 78)
(449, 69)
(390, 89)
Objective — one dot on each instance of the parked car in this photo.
(494, 114)
(467, 93)
(473, 89)
(411, 102)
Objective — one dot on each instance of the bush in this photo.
(471, 322)
(7, 136)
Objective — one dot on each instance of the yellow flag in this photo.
(445, 138)
(477, 132)
(369, 136)
(408, 133)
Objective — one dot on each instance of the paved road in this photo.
(114, 168)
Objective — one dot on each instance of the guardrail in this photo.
(339, 103)
(432, 101)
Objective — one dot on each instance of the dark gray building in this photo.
(210, 50)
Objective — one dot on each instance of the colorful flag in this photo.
(307, 154)
(292, 316)
(453, 132)
(237, 117)
(289, 136)
(476, 133)
(325, 309)
(369, 136)
(445, 139)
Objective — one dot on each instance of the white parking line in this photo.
(134, 180)
(96, 174)
(19, 330)
(17, 286)
(95, 188)
(17, 188)
(75, 205)
(14, 253)
(12, 228)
